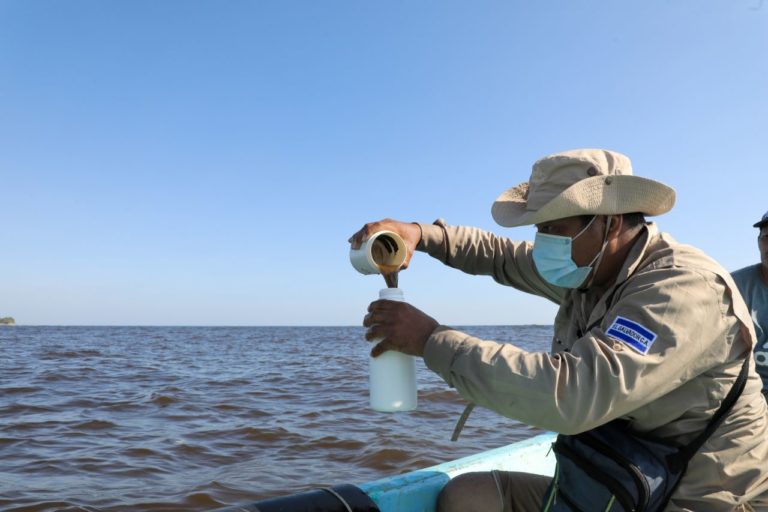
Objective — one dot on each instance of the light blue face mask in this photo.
(552, 256)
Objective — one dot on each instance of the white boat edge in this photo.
(417, 491)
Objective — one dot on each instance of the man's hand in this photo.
(399, 325)
(408, 231)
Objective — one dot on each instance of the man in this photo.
(753, 284)
(648, 330)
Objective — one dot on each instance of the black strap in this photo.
(462, 420)
(688, 451)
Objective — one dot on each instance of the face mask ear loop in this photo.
(584, 228)
(599, 256)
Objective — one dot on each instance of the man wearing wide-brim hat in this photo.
(648, 330)
(753, 285)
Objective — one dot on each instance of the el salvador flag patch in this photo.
(632, 334)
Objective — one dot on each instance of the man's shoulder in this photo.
(751, 286)
(665, 251)
(744, 275)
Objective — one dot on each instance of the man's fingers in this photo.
(360, 236)
(382, 305)
(378, 332)
(374, 333)
(374, 318)
(382, 347)
(356, 240)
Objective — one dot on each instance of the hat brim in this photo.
(598, 195)
(760, 224)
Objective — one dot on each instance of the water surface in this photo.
(194, 418)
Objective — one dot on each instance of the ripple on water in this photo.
(193, 501)
(7, 442)
(229, 407)
(140, 453)
(265, 435)
(69, 354)
(226, 383)
(81, 403)
(49, 467)
(162, 399)
(121, 407)
(20, 390)
(93, 425)
(48, 506)
(20, 408)
(332, 443)
(383, 459)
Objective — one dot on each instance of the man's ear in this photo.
(615, 223)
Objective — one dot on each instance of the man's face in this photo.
(587, 245)
(762, 244)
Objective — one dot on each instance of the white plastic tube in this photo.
(382, 251)
(392, 375)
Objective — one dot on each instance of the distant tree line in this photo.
(7, 320)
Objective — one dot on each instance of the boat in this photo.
(415, 491)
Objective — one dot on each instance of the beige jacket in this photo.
(681, 309)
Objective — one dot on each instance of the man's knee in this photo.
(480, 492)
(470, 492)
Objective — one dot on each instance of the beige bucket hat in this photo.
(581, 182)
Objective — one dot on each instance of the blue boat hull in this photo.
(417, 491)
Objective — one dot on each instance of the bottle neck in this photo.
(395, 294)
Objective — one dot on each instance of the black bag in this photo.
(611, 469)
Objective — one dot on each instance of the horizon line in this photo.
(248, 325)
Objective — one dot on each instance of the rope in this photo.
(462, 420)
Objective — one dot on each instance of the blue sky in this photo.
(204, 162)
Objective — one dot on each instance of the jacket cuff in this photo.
(434, 239)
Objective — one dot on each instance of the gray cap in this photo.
(762, 222)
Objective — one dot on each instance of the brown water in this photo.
(390, 273)
(383, 253)
(191, 418)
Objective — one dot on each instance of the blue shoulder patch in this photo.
(632, 334)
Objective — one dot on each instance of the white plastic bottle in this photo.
(392, 375)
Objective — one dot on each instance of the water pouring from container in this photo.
(382, 253)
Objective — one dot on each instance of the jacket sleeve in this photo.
(479, 252)
(602, 377)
